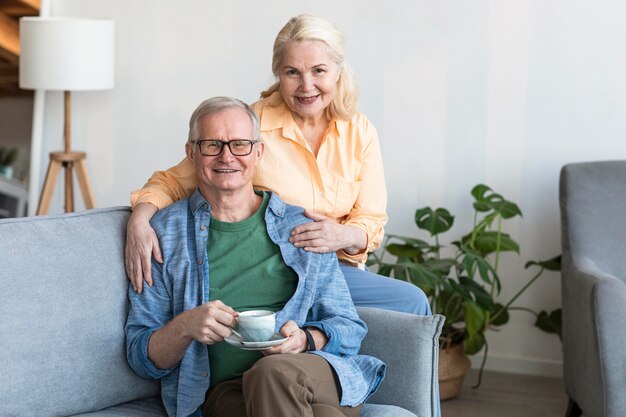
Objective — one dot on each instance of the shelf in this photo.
(13, 198)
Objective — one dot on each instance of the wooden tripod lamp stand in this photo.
(66, 54)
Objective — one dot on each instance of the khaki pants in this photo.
(287, 385)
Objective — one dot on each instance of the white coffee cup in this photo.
(257, 325)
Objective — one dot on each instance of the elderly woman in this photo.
(226, 249)
(321, 154)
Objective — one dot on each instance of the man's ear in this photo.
(189, 150)
(260, 148)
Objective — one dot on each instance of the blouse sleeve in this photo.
(369, 212)
(165, 187)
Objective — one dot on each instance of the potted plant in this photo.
(7, 158)
(462, 281)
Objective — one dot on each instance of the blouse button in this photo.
(200, 260)
(203, 228)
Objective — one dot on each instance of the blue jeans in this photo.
(372, 290)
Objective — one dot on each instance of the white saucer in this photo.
(236, 341)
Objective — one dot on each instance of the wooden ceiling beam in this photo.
(10, 12)
(34, 4)
(19, 8)
(9, 38)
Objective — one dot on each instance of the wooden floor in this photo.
(508, 395)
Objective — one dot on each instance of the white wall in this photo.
(462, 92)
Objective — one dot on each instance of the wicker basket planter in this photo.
(453, 365)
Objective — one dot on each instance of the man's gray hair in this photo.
(217, 104)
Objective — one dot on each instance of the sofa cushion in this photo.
(409, 345)
(150, 407)
(63, 307)
(379, 410)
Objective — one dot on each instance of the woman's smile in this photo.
(307, 100)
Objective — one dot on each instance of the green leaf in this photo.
(418, 243)
(500, 315)
(459, 289)
(487, 200)
(385, 269)
(553, 264)
(423, 277)
(481, 297)
(451, 306)
(440, 266)
(489, 274)
(483, 270)
(418, 274)
(474, 318)
(479, 192)
(474, 343)
(399, 270)
(409, 251)
(473, 260)
(447, 286)
(550, 322)
(8, 156)
(435, 222)
(487, 242)
(507, 209)
(468, 265)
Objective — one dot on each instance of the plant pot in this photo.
(6, 171)
(453, 365)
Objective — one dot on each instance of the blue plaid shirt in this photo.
(181, 283)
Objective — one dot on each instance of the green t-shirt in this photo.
(246, 272)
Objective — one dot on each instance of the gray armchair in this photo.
(593, 216)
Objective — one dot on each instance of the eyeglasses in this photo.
(214, 147)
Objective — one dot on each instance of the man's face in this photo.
(225, 173)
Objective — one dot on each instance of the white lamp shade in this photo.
(67, 53)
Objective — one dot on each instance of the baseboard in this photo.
(516, 365)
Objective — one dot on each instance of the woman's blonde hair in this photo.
(310, 28)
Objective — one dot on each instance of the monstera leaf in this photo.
(434, 221)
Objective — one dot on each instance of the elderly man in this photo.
(226, 249)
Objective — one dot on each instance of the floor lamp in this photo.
(66, 54)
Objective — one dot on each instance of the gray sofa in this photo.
(593, 229)
(63, 301)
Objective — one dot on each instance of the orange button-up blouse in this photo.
(344, 182)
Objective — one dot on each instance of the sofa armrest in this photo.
(594, 305)
(409, 345)
(63, 306)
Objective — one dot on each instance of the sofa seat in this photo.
(153, 407)
(150, 407)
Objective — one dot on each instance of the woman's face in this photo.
(308, 78)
